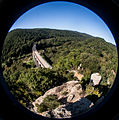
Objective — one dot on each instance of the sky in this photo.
(65, 16)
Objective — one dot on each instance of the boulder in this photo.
(96, 78)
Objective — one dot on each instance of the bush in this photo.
(41, 108)
(96, 92)
(89, 89)
(49, 103)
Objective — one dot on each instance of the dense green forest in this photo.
(64, 50)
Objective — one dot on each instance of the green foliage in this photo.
(41, 108)
(92, 93)
(26, 84)
(49, 103)
(89, 89)
(65, 51)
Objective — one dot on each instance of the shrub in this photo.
(41, 108)
(89, 89)
(49, 103)
(96, 92)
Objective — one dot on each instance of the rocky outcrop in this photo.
(73, 102)
(96, 78)
(70, 91)
(72, 109)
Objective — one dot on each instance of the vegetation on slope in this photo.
(64, 50)
(49, 103)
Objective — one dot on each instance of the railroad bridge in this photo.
(38, 60)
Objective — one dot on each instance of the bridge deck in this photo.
(39, 58)
(42, 61)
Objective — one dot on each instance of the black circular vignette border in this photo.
(10, 10)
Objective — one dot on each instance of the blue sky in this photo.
(66, 16)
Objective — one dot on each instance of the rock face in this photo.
(72, 109)
(69, 94)
(96, 78)
(70, 91)
(61, 111)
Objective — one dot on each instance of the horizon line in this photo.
(64, 30)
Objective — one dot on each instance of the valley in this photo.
(74, 57)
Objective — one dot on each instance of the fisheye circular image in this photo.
(59, 59)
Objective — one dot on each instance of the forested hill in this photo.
(64, 50)
(20, 41)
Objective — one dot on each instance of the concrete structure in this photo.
(38, 60)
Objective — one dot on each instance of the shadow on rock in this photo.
(72, 109)
(79, 107)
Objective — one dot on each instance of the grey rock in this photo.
(72, 109)
(61, 112)
(70, 95)
(96, 78)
